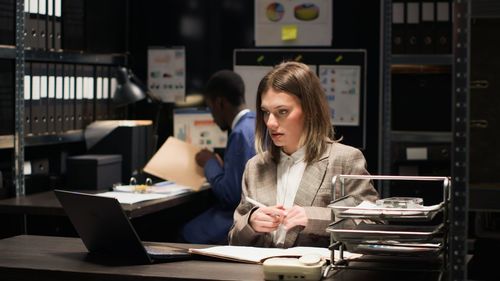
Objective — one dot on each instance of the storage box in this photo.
(94, 171)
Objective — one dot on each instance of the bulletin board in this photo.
(342, 74)
(293, 23)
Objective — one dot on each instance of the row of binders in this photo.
(421, 26)
(42, 24)
(63, 97)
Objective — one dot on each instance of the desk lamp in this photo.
(127, 91)
(130, 89)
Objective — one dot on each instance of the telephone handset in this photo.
(307, 267)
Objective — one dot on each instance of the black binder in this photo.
(107, 93)
(100, 102)
(398, 27)
(88, 94)
(59, 112)
(413, 37)
(57, 25)
(31, 40)
(44, 97)
(443, 27)
(69, 97)
(51, 101)
(50, 24)
(79, 74)
(427, 22)
(27, 31)
(42, 25)
(37, 110)
(27, 98)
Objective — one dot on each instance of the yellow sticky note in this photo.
(289, 32)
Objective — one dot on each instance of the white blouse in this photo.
(290, 170)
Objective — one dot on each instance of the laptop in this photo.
(106, 230)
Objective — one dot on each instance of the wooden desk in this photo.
(56, 258)
(42, 214)
(46, 203)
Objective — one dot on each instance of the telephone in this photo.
(307, 267)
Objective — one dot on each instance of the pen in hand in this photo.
(260, 205)
(254, 202)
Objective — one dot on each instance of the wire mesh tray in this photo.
(348, 230)
(395, 248)
(345, 207)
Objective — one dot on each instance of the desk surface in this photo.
(46, 203)
(56, 258)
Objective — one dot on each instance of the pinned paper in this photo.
(289, 32)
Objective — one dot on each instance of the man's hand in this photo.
(203, 156)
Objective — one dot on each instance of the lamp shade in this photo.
(126, 91)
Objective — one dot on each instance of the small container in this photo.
(400, 202)
(94, 172)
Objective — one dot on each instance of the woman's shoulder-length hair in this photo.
(295, 78)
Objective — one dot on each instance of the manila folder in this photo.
(175, 161)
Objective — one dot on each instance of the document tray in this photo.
(342, 209)
(348, 231)
(396, 249)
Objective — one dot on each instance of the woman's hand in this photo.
(267, 219)
(295, 216)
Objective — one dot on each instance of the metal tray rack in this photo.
(384, 231)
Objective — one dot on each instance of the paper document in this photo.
(258, 254)
(369, 208)
(168, 188)
(175, 161)
(131, 198)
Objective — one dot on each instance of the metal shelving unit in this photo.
(460, 145)
(19, 101)
(7, 52)
(18, 141)
(458, 137)
(7, 141)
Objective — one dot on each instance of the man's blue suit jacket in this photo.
(212, 226)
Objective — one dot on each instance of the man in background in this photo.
(224, 94)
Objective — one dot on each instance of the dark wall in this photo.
(220, 26)
(209, 30)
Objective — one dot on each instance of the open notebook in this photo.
(258, 254)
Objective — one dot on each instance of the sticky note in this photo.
(289, 32)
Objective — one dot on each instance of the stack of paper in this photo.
(131, 198)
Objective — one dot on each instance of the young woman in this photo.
(297, 157)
